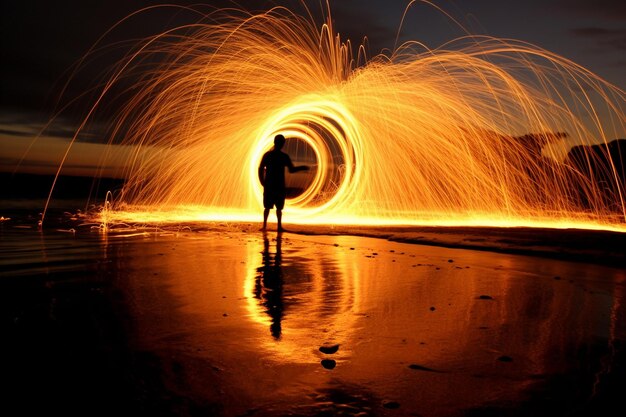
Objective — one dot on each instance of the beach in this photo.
(455, 215)
(225, 320)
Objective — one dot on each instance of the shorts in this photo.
(274, 198)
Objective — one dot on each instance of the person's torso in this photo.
(275, 163)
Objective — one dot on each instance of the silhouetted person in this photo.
(272, 177)
(269, 285)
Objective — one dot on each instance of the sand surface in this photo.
(227, 321)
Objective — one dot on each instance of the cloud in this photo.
(44, 155)
(30, 124)
(606, 38)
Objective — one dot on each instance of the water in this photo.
(229, 323)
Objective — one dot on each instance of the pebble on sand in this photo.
(432, 308)
(417, 367)
(391, 404)
(329, 363)
(329, 349)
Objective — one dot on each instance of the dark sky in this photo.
(42, 39)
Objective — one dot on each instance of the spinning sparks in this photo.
(476, 131)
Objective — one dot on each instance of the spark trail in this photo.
(472, 132)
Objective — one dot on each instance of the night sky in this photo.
(42, 39)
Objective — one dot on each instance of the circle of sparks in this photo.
(473, 132)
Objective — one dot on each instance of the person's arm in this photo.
(292, 168)
(262, 172)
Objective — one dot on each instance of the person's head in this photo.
(279, 141)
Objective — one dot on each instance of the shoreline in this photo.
(591, 246)
(579, 245)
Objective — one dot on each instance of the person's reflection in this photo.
(269, 284)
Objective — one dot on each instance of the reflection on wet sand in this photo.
(233, 322)
(305, 299)
(493, 327)
(268, 288)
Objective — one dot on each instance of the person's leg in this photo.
(280, 204)
(266, 213)
(267, 205)
(279, 218)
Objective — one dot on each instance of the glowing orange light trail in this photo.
(419, 136)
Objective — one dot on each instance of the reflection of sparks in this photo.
(301, 299)
(419, 136)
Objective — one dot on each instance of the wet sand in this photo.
(226, 321)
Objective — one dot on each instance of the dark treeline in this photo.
(594, 174)
(591, 176)
(602, 167)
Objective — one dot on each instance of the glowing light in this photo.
(418, 136)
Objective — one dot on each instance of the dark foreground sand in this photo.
(223, 320)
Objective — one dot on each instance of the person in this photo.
(272, 177)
